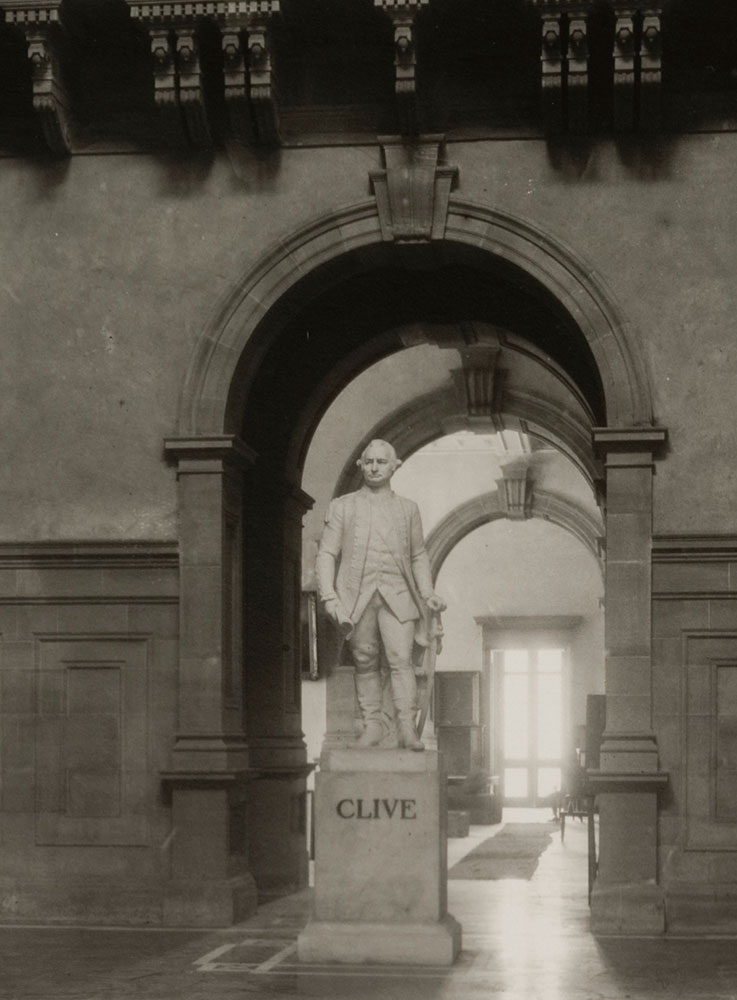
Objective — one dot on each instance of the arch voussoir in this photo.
(579, 290)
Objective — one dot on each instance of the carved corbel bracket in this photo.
(625, 53)
(164, 67)
(578, 72)
(39, 21)
(651, 69)
(515, 491)
(637, 65)
(191, 98)
(176, 62)
(413, 191)
(235, 77)
(551, 60)
(261, 83)
(402, 13)
(564, 62)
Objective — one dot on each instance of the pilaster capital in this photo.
(625, 781)
(209, 759)
(281, 490)
(629, 445)
(299, 501)
(209, 454)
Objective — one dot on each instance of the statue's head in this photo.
(378, 463)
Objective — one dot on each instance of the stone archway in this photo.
(210, 400)
(436, 413)
(239, 695)
(482, 509)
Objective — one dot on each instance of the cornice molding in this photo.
(625, 782)
(75, 554)
(648, 442)
(538, 623)
(163, 11)
(191, 452)
(694, 548)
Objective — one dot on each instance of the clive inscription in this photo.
(377, 808)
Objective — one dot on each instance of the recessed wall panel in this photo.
(91, 745)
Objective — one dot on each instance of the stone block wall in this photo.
(88, 694)
(695, 719)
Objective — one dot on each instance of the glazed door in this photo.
(528, 707)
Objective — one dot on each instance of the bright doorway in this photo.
(529, 708)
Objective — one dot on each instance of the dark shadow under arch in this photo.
(349, 314)
(320, 258)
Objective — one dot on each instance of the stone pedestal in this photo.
(380, 861)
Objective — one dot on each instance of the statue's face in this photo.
(378, 465)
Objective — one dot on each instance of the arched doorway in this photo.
(315, 313)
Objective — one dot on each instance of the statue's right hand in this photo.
(336, 612)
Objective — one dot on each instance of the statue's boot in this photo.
(404, 692)
(368, 693)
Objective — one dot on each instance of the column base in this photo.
(392, 944)
(700, 910)
(94, 900)
(277, 834)
(631, 910)
(209, 903)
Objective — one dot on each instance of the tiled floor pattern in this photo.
(521, 941)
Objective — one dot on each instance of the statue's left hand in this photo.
(436, 603)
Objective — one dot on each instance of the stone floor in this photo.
(521, 941)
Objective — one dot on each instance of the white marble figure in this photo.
(374, 580)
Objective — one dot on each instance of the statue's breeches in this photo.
(378, 628)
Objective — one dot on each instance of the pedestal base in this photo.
(401, 944)
(380, 861)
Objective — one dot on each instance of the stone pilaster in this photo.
(626, 898)
(210, 883)
(278, 768)
(210, 732)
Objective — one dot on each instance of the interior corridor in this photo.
(522, 940)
